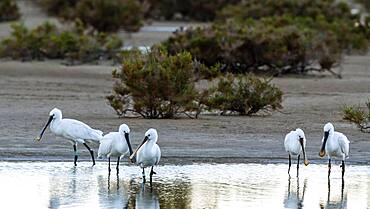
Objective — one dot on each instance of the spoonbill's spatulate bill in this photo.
(73, 130)
(116, 144)
(148, 153)
(295, 144)
(334, 144)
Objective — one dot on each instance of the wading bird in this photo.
(334, 144)
(73, 130)
(295, 144)
(115, 144)
(148, 152)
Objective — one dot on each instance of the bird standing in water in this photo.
(73, 130)
(148, 153)
(295, 144)
(334, 144)
(116, 144)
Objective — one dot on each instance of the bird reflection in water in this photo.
(147, 198)
(293, 199)
(335, 204)
(117, 185)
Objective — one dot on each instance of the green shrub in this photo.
(60, 8)
(157, 85)
(365, 4)
(8, 10)
(257, 9)
(201, 10)
(46, 41)
(358, 115)
(278, 37)
(102, 15)
(245, 95)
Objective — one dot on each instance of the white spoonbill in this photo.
(73, 130)
(148, 152)
(295, 144)
(115, 144)
(334, 144)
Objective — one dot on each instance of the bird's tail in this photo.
(97, 135)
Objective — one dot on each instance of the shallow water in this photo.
(60, 185)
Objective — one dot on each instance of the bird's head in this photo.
(54, 113)
(328, 129)
(300, 134)
(125, 131)
(150, 135)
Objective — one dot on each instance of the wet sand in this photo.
(29, 90)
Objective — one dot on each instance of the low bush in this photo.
(157, 85)
(256, 9)
(200, 10)
(364, 3)
(60, 8)
(245, 95)
(102, 15)
(275, 44)
(358, 115)
(8, 10)
(46, 41)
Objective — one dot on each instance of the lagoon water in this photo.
(61, 185)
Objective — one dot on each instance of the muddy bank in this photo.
(28, 91)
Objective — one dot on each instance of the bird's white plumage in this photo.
(149, 153)
(291, 142)
(337, 144)
(73, 130)
(114, 144)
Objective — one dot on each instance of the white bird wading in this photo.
(334, 144)
(148, 152)
(115, 144)
(295, 144)
(73, 130)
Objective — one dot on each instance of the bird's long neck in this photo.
(330, 138)
(55, 124)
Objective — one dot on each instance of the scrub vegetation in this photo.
(159, 85)
(47, 41)
(101, 15)
(245, 95)
(276, 37)
(9, 11)
(358, 115)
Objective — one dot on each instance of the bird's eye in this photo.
(148, 134)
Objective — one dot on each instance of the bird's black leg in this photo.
(329, 168)
(151, 174)
(299, 156)
(76, 156)
(91, 153)
(343, 169)
(109, 165)
(117, 168)
(144, 176)
(290, 163)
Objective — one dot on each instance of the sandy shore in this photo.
(28, 91)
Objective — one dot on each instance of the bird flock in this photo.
(148, 154)
(334, 144)
(113, 144)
